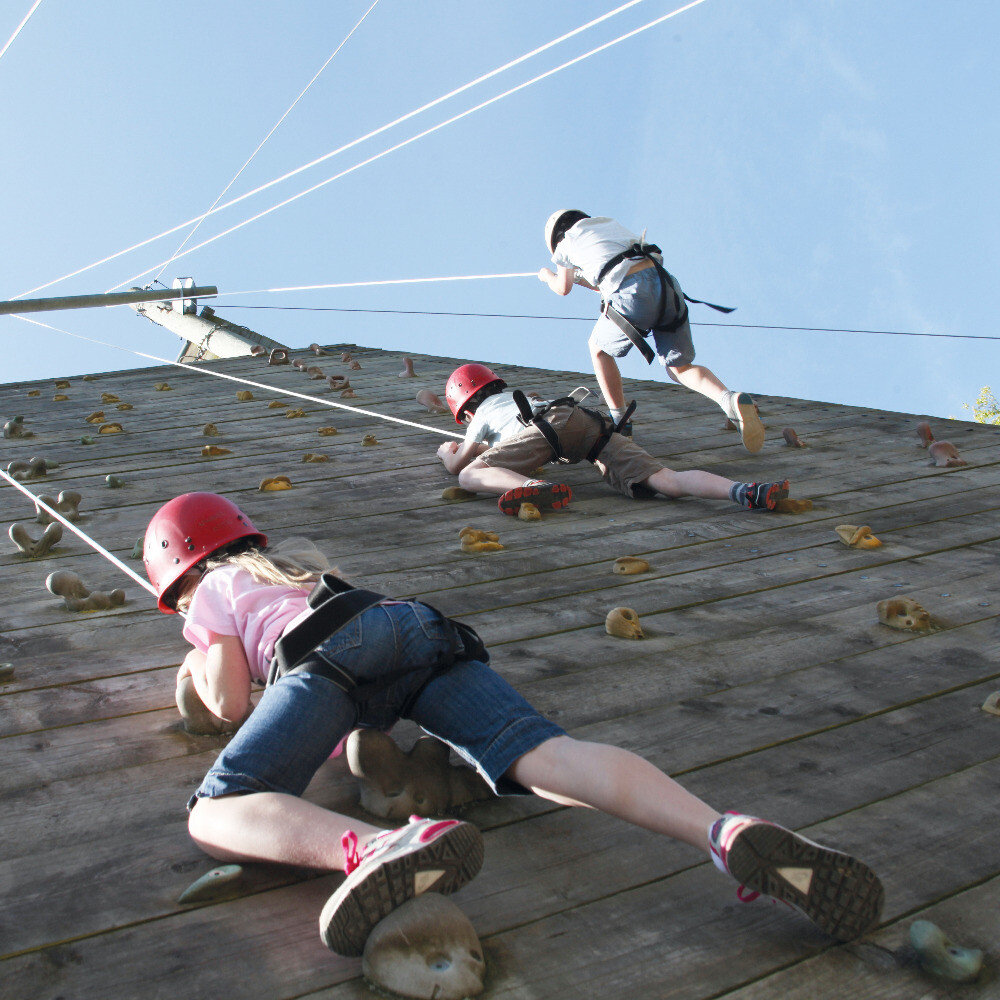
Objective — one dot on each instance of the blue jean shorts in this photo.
(303, 716)
(638, 300)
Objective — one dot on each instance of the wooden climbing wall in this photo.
(765, 683)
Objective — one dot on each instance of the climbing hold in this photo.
(114, 482)
(211, 450)
(34, 392)
(109, 397)
(276, 404)
(789, 506)
(475, 540)
(244, 395)
(67, 503)
(407, 371)
(217, 884)
(355, 366)
(317, 350)
(312, 457)
(62, 383)
(925, 434)
(628, 565)
(945, 455)
(457, 493)
(301, 364)
(369, 439)
(315, 372)
(28, 546)
(198, 719)
(528, 512)
(792, 439)
(89, 378)
(113, 428)
(14, 428)
(623, 623)
(274, 484)
(348, 394)
(86, 439)
(992, 704)
(257, 350)
(124, 406)
(297, 412)
(326, 431)
(137, 548)
(728, 425)
(6, 672)
(60, 397)
(279, 356)
(427, 949)
(431, 402)
(77, 597)
(22, 471)
(163, 387)
(210, 430)
(857, 538)
(940, 957)
(394, 784)
(338, 382)
(903, 613)
(346, 356)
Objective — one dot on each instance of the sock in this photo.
(616, 414)
(714, 828)
(738, 493)
(726, 403)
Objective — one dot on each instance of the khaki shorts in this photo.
(622, 463)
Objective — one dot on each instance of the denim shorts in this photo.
(638, 300)
(303, 716)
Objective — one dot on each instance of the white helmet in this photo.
(558, 223)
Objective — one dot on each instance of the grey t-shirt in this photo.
(495, 420)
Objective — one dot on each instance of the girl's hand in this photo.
(448, 448)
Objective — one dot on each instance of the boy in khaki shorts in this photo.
(499, 451)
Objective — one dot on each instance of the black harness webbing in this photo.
(335, 604)
(640, 251)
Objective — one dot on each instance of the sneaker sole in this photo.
(778, 492)
(842, 896)
(442, 866)
(552, 497)
(751, 429)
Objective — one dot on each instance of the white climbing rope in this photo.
(17, 30)
(390, 281)
(260, 145)
(82, 534)
(332, 153)
(245, 381)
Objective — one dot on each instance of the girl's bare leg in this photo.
(482, 478)
(617, 782)
(690, 483)
(609, 378)
(700, 379)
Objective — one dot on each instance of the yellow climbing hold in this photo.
(276, 404)
(124, 406)
(275, 483)
(210, 430)
(60, 397)
(628, 565)
(528, 512)
(623, 623)
(291, 414)
(244, 395)
(113, 428)
(97, 417)
(457, 493)
(62, 383)
(109, 397)
(163, 387)
(475, 540)
(857, 538)
(213, 449)
(789, 506)
(369, 439)
(326, 431)
(34, 392)
(313, 457)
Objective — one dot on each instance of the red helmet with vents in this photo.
(465, 382)
(186, 530)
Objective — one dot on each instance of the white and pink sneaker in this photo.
(838, 893)
(427, 854)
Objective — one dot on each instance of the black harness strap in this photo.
(607, 430)
(528, 416)
(630, 331)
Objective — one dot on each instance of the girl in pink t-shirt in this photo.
(247, 610)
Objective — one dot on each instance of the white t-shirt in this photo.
(589, 244)
(495, 419)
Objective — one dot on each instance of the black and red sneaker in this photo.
(764, 496)
(544, 495)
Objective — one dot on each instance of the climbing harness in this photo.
(335, 604)
(640, 251)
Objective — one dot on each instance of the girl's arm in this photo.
(456, 455)
(561, 280)
(221, 677)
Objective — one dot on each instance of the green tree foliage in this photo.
(986, 408)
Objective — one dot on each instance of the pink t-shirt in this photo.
(228, 601)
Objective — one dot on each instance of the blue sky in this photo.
(819, 164)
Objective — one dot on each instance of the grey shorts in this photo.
(622, 463)
(638, 300)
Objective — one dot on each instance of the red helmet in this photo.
(186, 530)
(465, 382)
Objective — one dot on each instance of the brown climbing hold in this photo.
(109, 397)
(457, 493)
(925, 434)
(628, 565)
(475, 540)
(163, 387)
(310, 456)
(787, 505)
(14, 428)
(222, 882)
(301, 364)
(62, 383)
(337, 381)
(346, 356)
(124, 406)
(395, 784)
(315, 372)
(992, 704)
(274, 484)
(22, 471)
(210, 450)
(369, 439)
(210, 430)
(279, 356)
(355, 366)
(348, 394)
(89, 378)
(427, 949)
(113, 428)
(857, 538)
(257, 350)
(528, 512)
(97, 417)
(276, 404)
(6, 672)
(792, 439)
(29, 546)
(244, 395)
(903, 613)
(945, 455)
(326, 431)
(60, 397)
(623, 623)
(34, 392)
(67, 503)
(77, 597)
(431, 402)
(317, 350)
(292, 414)
(407, 371)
